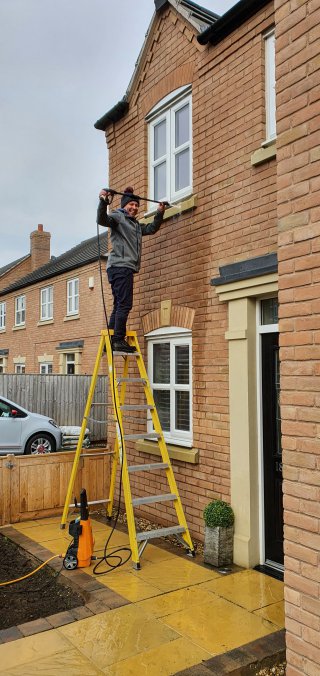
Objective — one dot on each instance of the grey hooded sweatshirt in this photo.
(126, 236)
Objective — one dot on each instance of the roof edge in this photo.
(231, 20)
(113, 115)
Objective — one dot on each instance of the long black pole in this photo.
(126, 194)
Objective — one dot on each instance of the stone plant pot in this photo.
(218, 546)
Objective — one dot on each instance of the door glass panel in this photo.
(161, 363)
(269, 311)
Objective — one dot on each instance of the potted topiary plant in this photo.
(218, 545)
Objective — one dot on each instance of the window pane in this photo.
(159, 140)
(269, 311)
(182, 134)
(162, 402)
(160, 181)
(161, 363)
(182, 411)
(182, 365)
(182, 170)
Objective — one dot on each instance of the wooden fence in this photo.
(60, 397)
(35, 486)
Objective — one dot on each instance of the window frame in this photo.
(270, 85)
(175, 336)
(3, 315)
(73, 296)
(20, 369)
(20, 310)
(48, 368)
(46, 312)
(171, 105)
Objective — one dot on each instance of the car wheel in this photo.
(40, 444)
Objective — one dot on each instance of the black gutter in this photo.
(113, 115)
(228, 22)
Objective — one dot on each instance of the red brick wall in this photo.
(235, 218)
(298, 126)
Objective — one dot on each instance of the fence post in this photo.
(7, 467)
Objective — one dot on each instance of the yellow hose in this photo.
(56, 556)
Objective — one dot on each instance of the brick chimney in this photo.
(39, 248)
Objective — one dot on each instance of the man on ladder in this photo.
(125, 257)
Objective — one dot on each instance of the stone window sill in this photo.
(190, 455)
(185, 205)
(69, 318)
(264, 154)
(3, 330)
(44, 322)
(19, 328)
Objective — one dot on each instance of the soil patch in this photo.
(40, 595)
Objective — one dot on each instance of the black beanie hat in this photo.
(128, 197)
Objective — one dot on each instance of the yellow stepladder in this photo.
(118, 388)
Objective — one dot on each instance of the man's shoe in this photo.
(122, 346)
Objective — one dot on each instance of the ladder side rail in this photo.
(122, 455)
(82, 434)
(113, 385)
(164, 451)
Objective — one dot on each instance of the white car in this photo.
(24, 432)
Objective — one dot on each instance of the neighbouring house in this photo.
(51, 312)
(233, 361)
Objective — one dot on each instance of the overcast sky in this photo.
(64, 63)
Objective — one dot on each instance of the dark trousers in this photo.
(121, 281)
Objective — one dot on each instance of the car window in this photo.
(5, 410)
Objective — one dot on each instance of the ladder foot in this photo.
(191, 553)
(62, 526)
(109, 518)
(136, 566)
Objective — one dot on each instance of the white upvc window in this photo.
(46, 303)
(20, 310)
(2, 316)
(70, 361)
(270, 85)
(45, 368)
(170, 147)
(3, 364)
(170, 374)
(73, 296)
(20, 368)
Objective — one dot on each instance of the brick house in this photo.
(197, 127)
(298, 170)
(51, 312)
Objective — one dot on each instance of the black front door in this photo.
(272, 453)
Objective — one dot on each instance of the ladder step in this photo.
(159, 533)
(93, 502)
(137, 407)
(148, 467)
(142, 435)
(95, 455)
(149, 499)
(131, 380)
(126, 354)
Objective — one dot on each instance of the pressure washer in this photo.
(80, 552)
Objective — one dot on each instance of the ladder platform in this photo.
(142, 435)
(148, 467)
(149, 499)
(159, 533)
